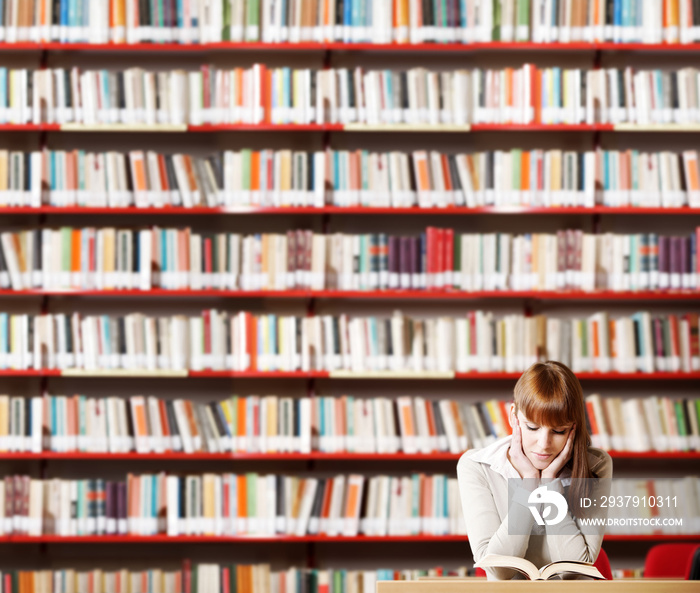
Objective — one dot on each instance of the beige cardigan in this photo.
(483, 486)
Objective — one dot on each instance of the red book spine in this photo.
(187, 576)
(675, 341)
(431, 239)
(449, 257)
(227, 502)
(592, 418)
(265, 94)
(431, 418)
(225, 576)
(164, 185)
(164, 419)
(206, 96)
(537, 94)
(208, 261)
(439, 258)
(256, 418)
(504, 414)
(252, 340)
(206, 316)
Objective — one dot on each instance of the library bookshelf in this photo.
(177, 135)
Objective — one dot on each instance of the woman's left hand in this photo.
(553, 469)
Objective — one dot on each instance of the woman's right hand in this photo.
(518, 458)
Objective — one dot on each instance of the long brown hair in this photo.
(549, 394)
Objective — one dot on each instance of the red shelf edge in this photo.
(449, 211)
(268, 127)
(327, 375)
(124, 539)
(340, 46)
(316, 455)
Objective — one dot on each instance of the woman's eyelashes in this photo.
(533, 428)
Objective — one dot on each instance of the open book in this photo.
(546, 572)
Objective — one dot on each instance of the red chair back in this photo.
(669, 561)
(602, 564)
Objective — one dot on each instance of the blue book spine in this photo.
(322, 417)
(52, 171)
(54, 415)
(606, 171)
(347, 20)
(336, 180)
(64, 20)
(72, 17)
(365, 17)
(105, 89)
(625, 21)
(154, 499)
(287, 93)
(273, 340)
(79, 21)
(85, 21)
(4, 104)
(617, 20)
(463, 14)
(180, 14)
(106, 332)
(164, 252)
(659, 89)
(634, 21)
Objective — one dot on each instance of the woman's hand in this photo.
(517, 456)
(553, 469)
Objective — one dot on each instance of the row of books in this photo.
(176, 259)
(675, 504)
(231, 504)
(643, 423)
(345, 424)
(342, 178)
(268, 505)
(210, 95)
(389, 21)
(478, 341)
(210, 578)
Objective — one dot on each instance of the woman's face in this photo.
(541, 444)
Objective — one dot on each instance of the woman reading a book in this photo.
(549, 446)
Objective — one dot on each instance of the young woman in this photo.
(550, 444)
